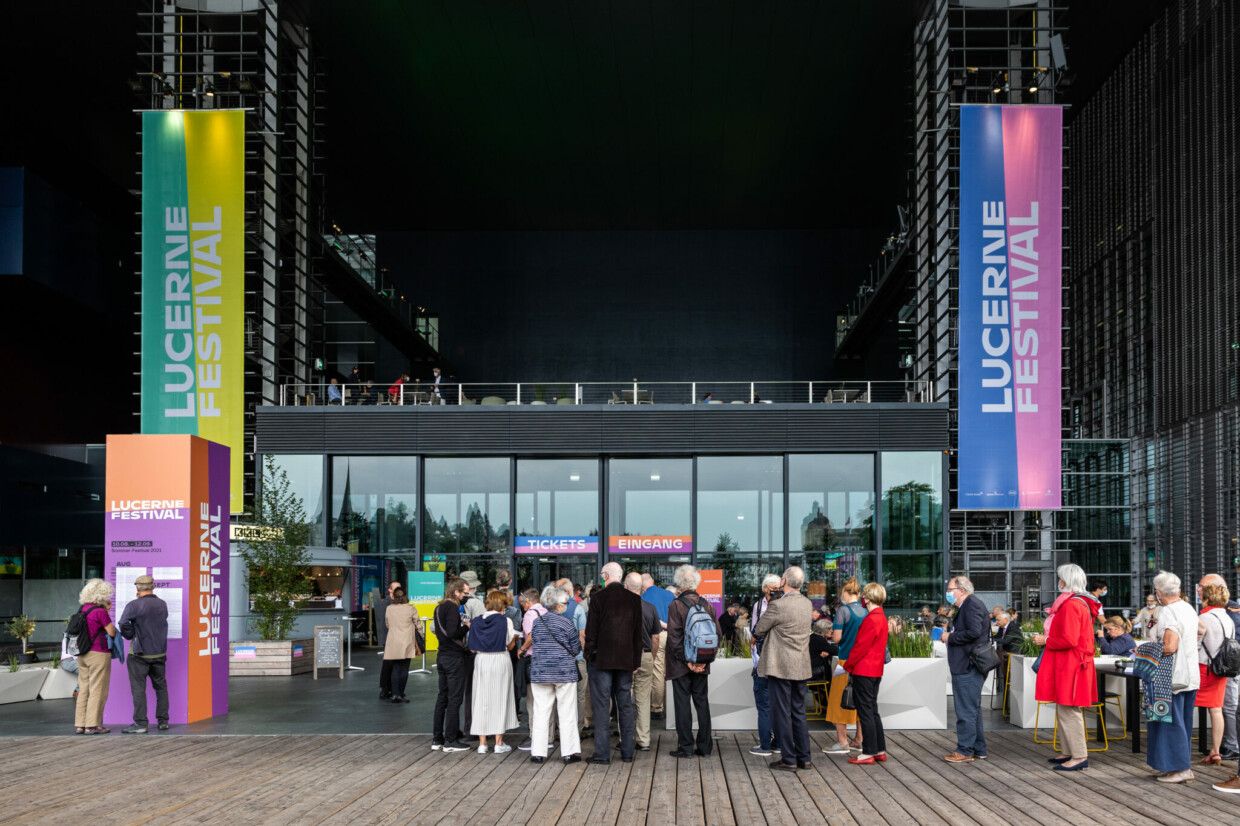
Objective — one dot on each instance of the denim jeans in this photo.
(762, 700)
(967, 693)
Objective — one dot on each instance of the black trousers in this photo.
(469, 692)
(385, 677)
(446, 727)
(692, 688)
(789, 729)
(520, 674)
(139, 669)
(399, 676)
(603, 683)
(865, 692)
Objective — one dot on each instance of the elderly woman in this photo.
(821, 650)
(848, 619)
(553, 677)
(1066, 676)
(1218, 627)
(865, 668)
(1170, 743)
(94, 666)
(401, 645)
(491, 635)
(1146, 617)
(1115, 637)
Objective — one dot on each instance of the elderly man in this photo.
(761, 697)
(613, 652)
(660, 599)
(1231, 712)
(1009, 636)
(689, 679)
(650, 646)
(566, 585)
(972, 626)
(785, 664)
(145, 623)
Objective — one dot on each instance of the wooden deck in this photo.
(393, 779)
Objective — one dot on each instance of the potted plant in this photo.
(18, 684)
(913, 693)
(20, 629)
(1022, 705)
(276, 559)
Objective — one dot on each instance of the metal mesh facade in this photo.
(1153, 316)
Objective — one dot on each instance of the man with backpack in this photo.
(693, 640)
(144, 623)
(613, 653)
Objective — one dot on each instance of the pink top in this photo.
(97, 620)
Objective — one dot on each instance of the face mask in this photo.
(1103, 594)
(951, 597)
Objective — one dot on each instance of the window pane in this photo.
(649, 497)
(486, 566)
(375, 504)
(742, 574)
(825, 573)
(305, 479)
(740, 504)
(557, 497)
(913, 501)
(466, 506)
(912, 580)
(831, 501)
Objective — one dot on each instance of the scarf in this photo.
(1154, 669)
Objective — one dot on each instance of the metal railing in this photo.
(413, 394)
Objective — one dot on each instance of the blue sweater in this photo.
(1123, 645)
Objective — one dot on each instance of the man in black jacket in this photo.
(452, 633)
(971, 627)
(613, 651)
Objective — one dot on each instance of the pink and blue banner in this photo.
(1011, 307)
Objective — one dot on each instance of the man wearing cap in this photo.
(145, 624)
(473, 607)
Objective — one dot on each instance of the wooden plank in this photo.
(742, 798)
(765, 790)
(663, 789)
(630, 805)
(556, 798)
(717, 802)
(972, 786)
(421, 768)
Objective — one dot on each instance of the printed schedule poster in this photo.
(425, 592)
(167, 517)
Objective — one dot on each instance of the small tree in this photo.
(277, 557)
(21, 628)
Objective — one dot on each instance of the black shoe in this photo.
(680, 753)
(134, 729)
(385, 695)
(572, 758)
(599, 761)
(1078, 767)
(587, 731)
(643, 748)
(781, 765)
(397, 700)
(701, 753)
(626, 759)
(1058, 759)
(163, 726)
(657, 715)
(405, 699)
(804, 764)
(536, 759)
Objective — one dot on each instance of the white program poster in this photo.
(125, 591)
(176, 622)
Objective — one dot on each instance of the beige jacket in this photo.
(401, 643)
(785, 630)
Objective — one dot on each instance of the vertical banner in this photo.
(167, 517)
(425, 592)
(711, 589)
(1011, 278)
(193, 279)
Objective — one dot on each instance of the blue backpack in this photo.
(701, 634)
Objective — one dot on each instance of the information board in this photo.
(425, 592)
(328, 648)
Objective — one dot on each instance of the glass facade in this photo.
(732, 513)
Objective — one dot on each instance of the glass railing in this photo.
(409, 394)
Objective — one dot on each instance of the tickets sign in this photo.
(556, 545)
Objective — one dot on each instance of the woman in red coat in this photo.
(1066, 676)
(865, 668)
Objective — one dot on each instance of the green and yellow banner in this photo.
(193, 279)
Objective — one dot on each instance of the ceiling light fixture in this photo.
(576, 477)
(654, 477)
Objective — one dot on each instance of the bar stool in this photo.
(1098, 708)
(817, 693)
(1036, 716)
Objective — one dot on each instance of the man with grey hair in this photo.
(689, 678)
(1231, 696)
(145, 624)
(785, 664)
(971, 627)
(613, 652)
(761, 697)
(650, 646)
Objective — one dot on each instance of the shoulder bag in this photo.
(847, 701)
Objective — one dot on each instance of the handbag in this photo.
(847, 702)
(542, 619)
(1038, 662)
(983, 657)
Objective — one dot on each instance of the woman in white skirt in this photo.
(494, 709)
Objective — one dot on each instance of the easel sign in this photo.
(328, 648)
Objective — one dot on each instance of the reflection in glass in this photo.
(831, 501)
(742, 574)
(466, 506)
(486, 566)
(305, 479)
(740, 504)
(557, 497)
(649, 497)
(375, 504)
(912, 580)
(912, 501)
(659, 566)
(825, 573)
(538, 571)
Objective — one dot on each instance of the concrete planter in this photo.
(1022, 706)
(913, 694)
(730, 692)
(58, 685)
(270, 658)
(19, 686)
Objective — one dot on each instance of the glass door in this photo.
(537, 571)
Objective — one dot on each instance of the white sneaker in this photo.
(482, 749)
(836, 748)
(503, 749)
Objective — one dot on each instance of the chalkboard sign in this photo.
(328, 648)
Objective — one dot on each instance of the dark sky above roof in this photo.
(524, 114)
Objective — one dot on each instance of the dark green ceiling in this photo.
(524, 114)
